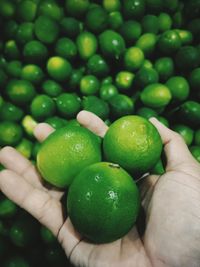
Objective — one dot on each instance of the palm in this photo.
(166, 201)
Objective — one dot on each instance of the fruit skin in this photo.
(133, 143)
(65, 153)
(103, 202)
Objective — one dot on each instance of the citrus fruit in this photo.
(103, 202)
(66, 48)
(89, 85)
(195, 150)
(156, 95)
(131, 31)
(133, 58)
(121, 105)
(187, 58)
(68, 105)
(133, 8)
(115, 20)
(98, 66)
(179, 88)
(107, 91)
(86, 44)
(186, 132)
(169, 42)
(124, 80)
(96, 19)
(164, 67)
(147, 43)
(10, 133)
(65, 153)
(133, 143)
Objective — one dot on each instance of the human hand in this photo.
(167, 236)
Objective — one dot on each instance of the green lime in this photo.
(25, 32)
(56, 122)
(70, 27)
(163, 120)
(158, 169)
(59, 68)
(150, 24)
(133, 8)
(194, 79)
(124, 80)
(164, 22)
(46, 29)
(89, 85)
(42, 107)
(51, 88)
(35, 150)
(10, 112)
(197, 137)
(133, 58)
(154, 6)
(10, 133)
(96, 19)
(190, 112)
(65, 153)
(35, 52)
(20, 91)
(107, 91)
(111, 44)
(32, 73)
(96, 105)
(97, 66)
(147, 113)
(97, 199)
(115, 20)
(195, 150)
(179, 88)
(156, 95)
(121, 105)
(186, 132)
(187, 58)
(25, 148)
(165, 68)
(29, 124)
(51, 9)
(107, 80)
(46, 235)
(11, 27)
(146, 76)
(11, 50)
(147, 43)
(66, 48)
(131, 31)
(75, 78)
(169, 42)
(26, 10)
(68, 105)
(7, 208)
(86, 44)
(7, 8)
(14, 68)
(134, 143)
(77, 8)
(186, 36)
(112, 5)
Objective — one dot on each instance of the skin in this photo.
(171, 234)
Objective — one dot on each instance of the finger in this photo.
(11, 159)
(175, 148)
(42, 131)
(37, 202)
(92, 122)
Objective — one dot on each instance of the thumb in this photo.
(175, 148)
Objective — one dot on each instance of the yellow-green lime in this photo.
(103, 202)
(65, 153)
(133, 143)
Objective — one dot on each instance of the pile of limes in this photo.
(113, 58)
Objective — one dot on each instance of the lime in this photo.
(169, 42)
(89, 85)
(107, 80)
(163, 120)
(111, 44)
(26, 10)
(164, 67)
(197, 137)
(29, 124)
(156, 95)
(115, 20)
(14, 69)
(32, 73)
(75, 78)
(56, 122)
(11, 27)
(194, 79)
(186, 132)
(158, 169)
(70, 27)
(164, 22)
(96, 105)
(124, 80)
(146, 112)
(186, 36)
(96, 19)
(51, 9)
(86, 44)
(107, 91)
(11, 50)
(111, 5)
(10, 112)
(7, 208)
(65, 153)
(46, 235)
(66, 48)
(77, 8)
(59, 68)
(195, 150)
(97, 66)
(133, 8)
(133, 58)
(20, 91)
(147, 43)
(42, 107)
(154, 6)
(35, 52)
(134, 143)
(51, 88)
(190, 112)
(187, 58)
(103, 202)
(150, 23)
(25, 147)
(68, 105)
(120, 105)
(7, 8)
(10, 133)
(131, 31)
(179, 88)
(46, 29)
(25, 32)
(146, 76)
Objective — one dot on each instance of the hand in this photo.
(171, 203)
